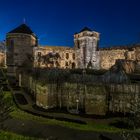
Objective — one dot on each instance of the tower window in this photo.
(39, 54)
(73, 65)
(11, 46)
(66, 64)
(73, 56)
(67, 55)
(84, 55)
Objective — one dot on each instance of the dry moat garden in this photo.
(21, 119)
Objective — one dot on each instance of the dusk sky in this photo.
(55, 21)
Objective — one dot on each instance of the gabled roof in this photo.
(85, 29)
(23, 28)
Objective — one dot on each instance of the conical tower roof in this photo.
(85, 29)
(23, 28)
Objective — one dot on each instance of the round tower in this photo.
(20, 43)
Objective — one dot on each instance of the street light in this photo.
(84, 92)
(77, 105)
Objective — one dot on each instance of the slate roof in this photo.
(85, 29)
(23, 28)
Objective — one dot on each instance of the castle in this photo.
(22, 46)
(83, 91)
(86, 53)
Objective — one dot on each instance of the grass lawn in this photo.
(87, 127)
(90, 126)
(12, 136)
(22, 115)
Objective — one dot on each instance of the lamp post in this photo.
(77, 105)
(84, 90)
(19, 80)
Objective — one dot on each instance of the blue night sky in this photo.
(55, 21)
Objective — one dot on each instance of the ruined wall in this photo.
(108, 57)
(89, 58)
(67, 57)
(85, 53)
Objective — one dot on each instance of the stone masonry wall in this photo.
(122, 96)
(108, 57)
(20, 50)
(72, 96)
(94, 99)
(67, 56)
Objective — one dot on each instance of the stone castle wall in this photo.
(85, 53)
(108, 57)
(93, 98)
(104, 59)
(71, 96)
(66, 59)
(129, 55)
(122, 96)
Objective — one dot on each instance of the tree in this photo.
(134, 118)
(5, 108)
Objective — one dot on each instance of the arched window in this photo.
(67, 55)
(11, 46)
(73, 65)
(66, 64)
(39, 54)
(84, 55)
(73, 56)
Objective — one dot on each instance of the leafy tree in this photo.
(130, 135)
(5, 108)
(134, 118)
